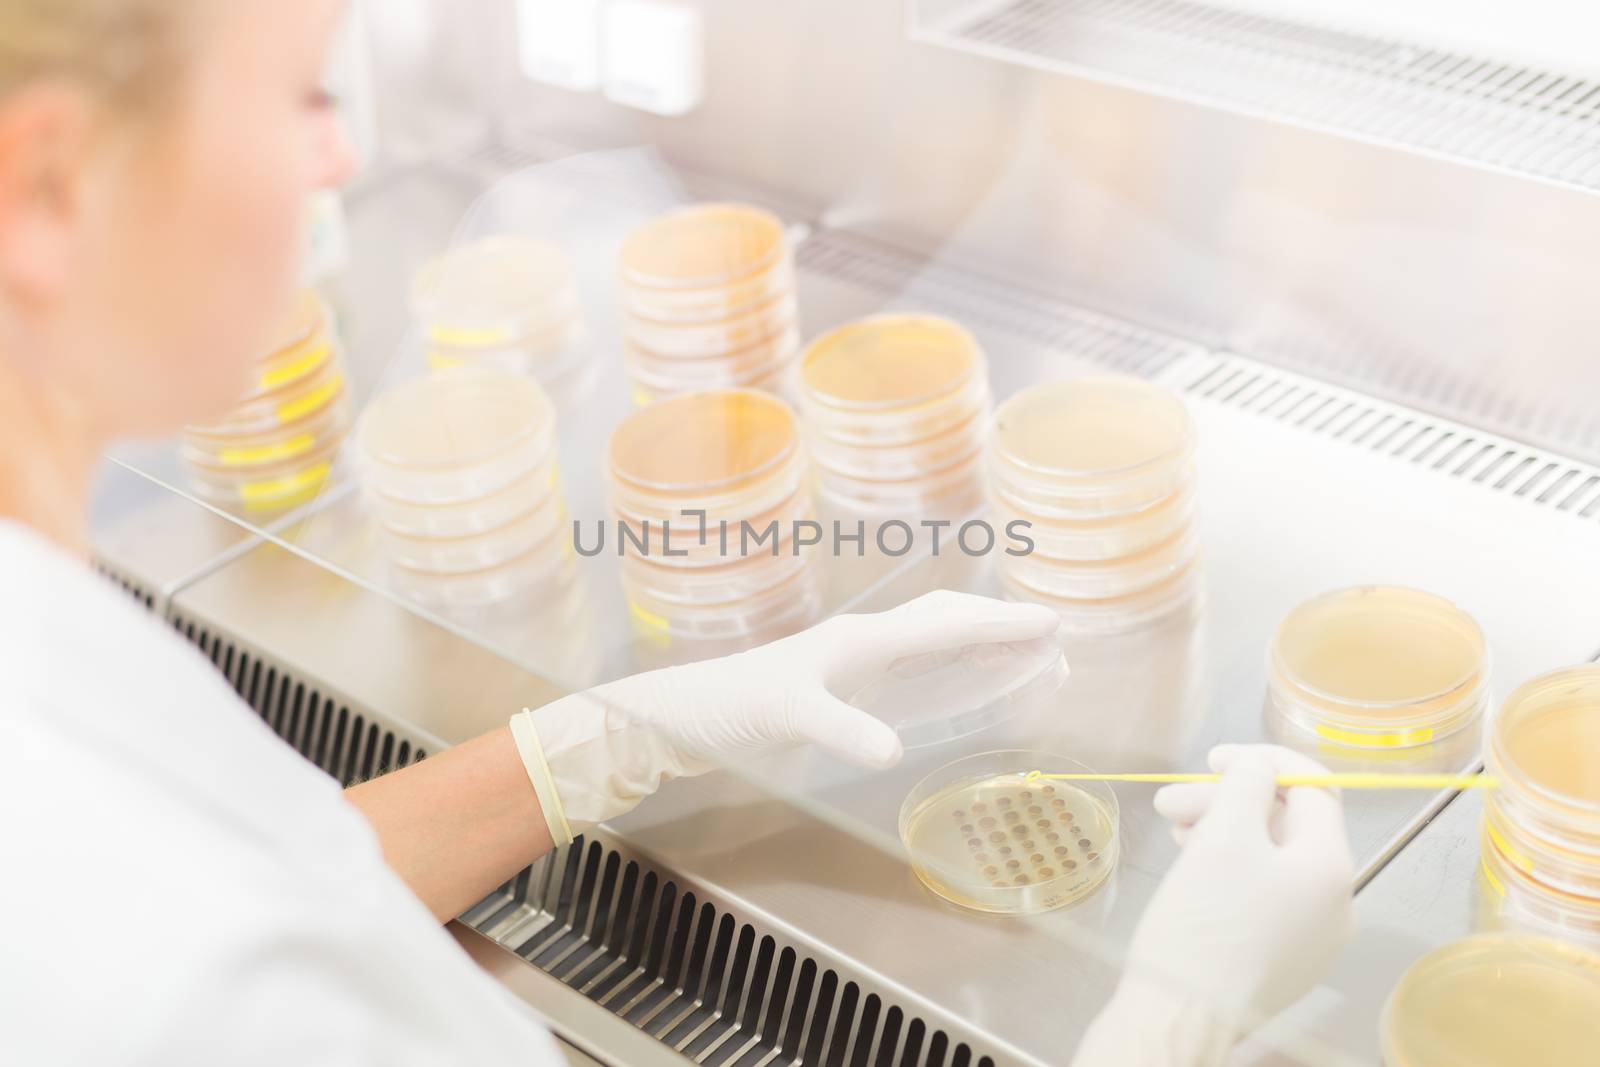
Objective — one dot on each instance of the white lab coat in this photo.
(177, 886)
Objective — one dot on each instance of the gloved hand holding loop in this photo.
(594, 755)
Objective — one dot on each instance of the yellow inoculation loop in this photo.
(654, 628)
(247, 457)
(313, 400)
(641, 399)
(300, 367)
(1360, 739)
(260, 494)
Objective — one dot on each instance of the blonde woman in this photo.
(178, 886)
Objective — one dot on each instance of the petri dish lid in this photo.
(887, 362)
(1378, 649)
(1547, 737)
(455, 419)
(1495, 999)
(1092, 427)
(503, 285)
(701, 441)
(701, 246)
(952, 693)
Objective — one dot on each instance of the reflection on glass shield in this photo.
(982, 836)
(947, 694)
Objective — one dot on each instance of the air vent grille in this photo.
(126, 584)
(694, 976)
(978, 300)
(1468, 108)
(1459, 451)
(347, 745)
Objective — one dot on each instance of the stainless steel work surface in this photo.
(1291, 508)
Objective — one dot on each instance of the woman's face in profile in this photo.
(181, 252)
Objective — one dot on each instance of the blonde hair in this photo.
(124, 49)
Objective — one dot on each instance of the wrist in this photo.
(1151, 1024)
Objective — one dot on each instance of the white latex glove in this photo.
(1248, 919)
(592, 756)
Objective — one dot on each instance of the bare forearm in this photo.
(457, 824)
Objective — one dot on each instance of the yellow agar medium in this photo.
(1356, 780)
(1089, 426)
(889, 360)
(703, 245)
(703, 440)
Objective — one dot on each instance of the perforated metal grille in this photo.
(126, 584)
(1476, 110)
(1461, 452)
(694, 976)
(981, 301)
(347, 745)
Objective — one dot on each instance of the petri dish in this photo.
(1495, 999)
(1511, 897)
(1545, 818)
(1378, 667)
(275, 487)
(981, 836)
(956, 489)
(729, 580)
(901, 461)
(729, 371)
(698, 340)
(1102, 579)
(537, 489)
(476, 552)
(319, 430)
(884, 368)
(1103, 445)
(682, 534)
(952, 693)
(1105, 537)
(703, 246)
(449, 438)
(541, 568)
(266, 412)
(302, 350)
(495, 291)
(1109, 616)
(732, 452)
(790, 605)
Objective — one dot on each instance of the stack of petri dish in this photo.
(727, 464)
(1102, 472)
(507, 303)
(896, 410)
(1495, 999)
(708, 302)
(981, 834)
(460, 474)
(1541, 829)
(276, 448)
(1376, 668)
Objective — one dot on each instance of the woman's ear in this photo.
(46, 139)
